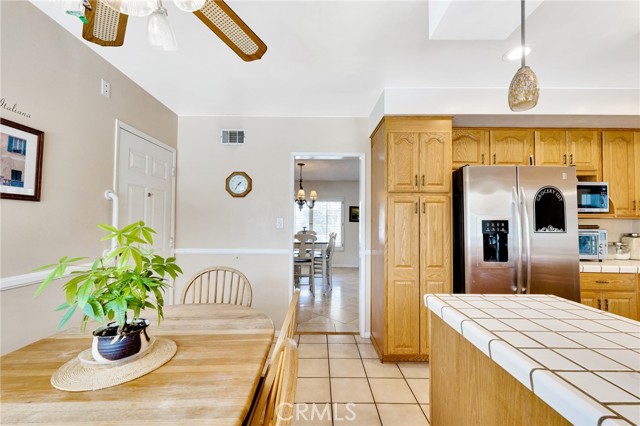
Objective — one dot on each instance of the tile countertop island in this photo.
(582, 363)
(611, 266)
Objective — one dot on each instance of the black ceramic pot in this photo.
(108, 345)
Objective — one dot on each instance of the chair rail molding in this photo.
(23, 280)
(189, 251)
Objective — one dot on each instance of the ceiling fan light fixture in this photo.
(159, 32)
(523, 90)
(132, 7)
(189, 5)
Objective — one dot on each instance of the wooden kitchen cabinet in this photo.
(621, 168)
(615, 293)
(417, 159)
(411, 232)
(575, 147)
(491, 147)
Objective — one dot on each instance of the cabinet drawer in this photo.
(599, 281)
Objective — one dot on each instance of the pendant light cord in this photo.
(522, 63)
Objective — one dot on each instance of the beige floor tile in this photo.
(362, 339)
(312, 350)
(415, 370)
(342, 367)
(350, 390)
(310, 367)
(324, 328)
(341, 338)
(425, 410)
(367, 351)
(402, 415)
(351, 327)
(420, 388)
(343, 350)
(312, 415)
(313, 390)
(375, 368)
(313, 338)
(393, 391)
(355, 415)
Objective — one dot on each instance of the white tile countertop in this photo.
(612, 266)
(584, 363)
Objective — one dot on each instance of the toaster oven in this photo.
(592, 244)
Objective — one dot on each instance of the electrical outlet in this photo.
(105, 88)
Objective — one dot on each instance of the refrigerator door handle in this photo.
(527, 240)
(516, 201)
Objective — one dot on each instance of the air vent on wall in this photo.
(232, 137)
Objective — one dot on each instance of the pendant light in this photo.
(523, 90)
(159, 32)
(300, 199)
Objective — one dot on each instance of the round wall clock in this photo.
(238, 184)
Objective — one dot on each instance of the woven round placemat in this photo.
(76, 377)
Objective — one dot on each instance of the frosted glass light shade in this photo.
(523, 90)
(313, 195)
(132, 7)
(189, 5)
(159, 32)
(301, 194)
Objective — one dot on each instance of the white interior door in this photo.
(145, 173)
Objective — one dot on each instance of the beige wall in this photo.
(242, 231)
(55, 78)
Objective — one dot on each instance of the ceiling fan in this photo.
(107, 26)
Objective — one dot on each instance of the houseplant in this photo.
(115, 289)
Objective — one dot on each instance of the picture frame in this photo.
(20, 161)
(354, 214)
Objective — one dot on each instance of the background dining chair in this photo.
(303, 258)
(273, 405)
(323, 261)
(219, 284)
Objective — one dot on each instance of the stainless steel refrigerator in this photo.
(515, 230)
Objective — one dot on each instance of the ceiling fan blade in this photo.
(223, 21)
(106, 26)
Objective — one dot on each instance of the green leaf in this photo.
(65, 305)
(107, 228)
(67, 316)
(84, 292)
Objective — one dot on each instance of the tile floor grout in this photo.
(368, 375)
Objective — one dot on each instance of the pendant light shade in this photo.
(159, 31)
(523, 90)
(189, 5)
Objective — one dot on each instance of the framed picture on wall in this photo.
(354, 214)
(20, 161)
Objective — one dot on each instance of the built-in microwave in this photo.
(592, 244)
(593, 197)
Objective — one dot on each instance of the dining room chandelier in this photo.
(523, 90)
(301, 198)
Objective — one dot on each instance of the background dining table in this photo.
(222, 350)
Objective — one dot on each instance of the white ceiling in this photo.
(343, 169)
(334, 58)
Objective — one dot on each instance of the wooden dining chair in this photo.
(304, 259)
(289, 325)
(219, 284)
(274, 402)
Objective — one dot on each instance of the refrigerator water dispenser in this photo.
(495, 240)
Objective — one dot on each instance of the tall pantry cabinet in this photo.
(411, 231)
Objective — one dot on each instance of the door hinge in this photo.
(171, 243)
(173, 171)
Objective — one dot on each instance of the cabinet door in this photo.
(403, 165)
(591, 298)
(620, 303)
(585, 152)
(435, 160)
(403, 287)
(470, 146)
(435, 255)
(551, 147)
(618, 168)
(511, 146)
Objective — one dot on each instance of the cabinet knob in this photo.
(602, 282)
(571, 159)
(422, 180)
(482, 159)
(564, 161)
(416, 178)
(424, 207)
(634, 204)
(599, 304)
(606, 304)
(494, 159)
(416, 207)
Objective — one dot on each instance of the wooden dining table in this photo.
(222, 350)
